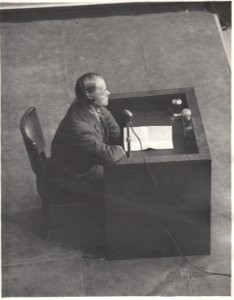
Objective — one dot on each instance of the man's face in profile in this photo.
(101, 95)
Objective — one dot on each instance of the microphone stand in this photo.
(128, 139)
(127, 115)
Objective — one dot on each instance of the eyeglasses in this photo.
(102, 93)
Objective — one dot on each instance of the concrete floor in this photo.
(134, 49)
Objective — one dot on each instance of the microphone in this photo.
(127, 115)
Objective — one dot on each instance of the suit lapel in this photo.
(99, 128)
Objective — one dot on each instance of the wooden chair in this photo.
(35, 145)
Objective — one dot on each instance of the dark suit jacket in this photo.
(81, 144)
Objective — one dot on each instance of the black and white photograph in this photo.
(116, 148)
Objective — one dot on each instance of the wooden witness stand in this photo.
(135, 210)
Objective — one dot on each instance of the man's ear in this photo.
(90, 98)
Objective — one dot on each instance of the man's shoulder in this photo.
(77, 113)
(79, 120)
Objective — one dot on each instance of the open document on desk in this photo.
(152, 137)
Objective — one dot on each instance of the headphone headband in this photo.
(84, 90)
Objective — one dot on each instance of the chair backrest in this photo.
(30, 128)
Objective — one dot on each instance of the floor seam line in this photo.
(65, 60)
(83, 276)
(143, 52)
(216, 18)
(39, 261)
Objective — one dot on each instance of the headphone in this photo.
(84, 91)
(91, 99)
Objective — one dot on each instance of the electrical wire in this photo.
(185, 258)
(190, 279)
(164, 228)
(144, 159)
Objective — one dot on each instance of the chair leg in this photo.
(45, 220)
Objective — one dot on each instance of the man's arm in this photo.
(115, 137)
(86, 140)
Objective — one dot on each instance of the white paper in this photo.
(154, 137)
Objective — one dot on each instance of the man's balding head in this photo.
(86, 84)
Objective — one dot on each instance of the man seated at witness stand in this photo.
(87, 138)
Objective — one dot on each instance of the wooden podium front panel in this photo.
(136, 212)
